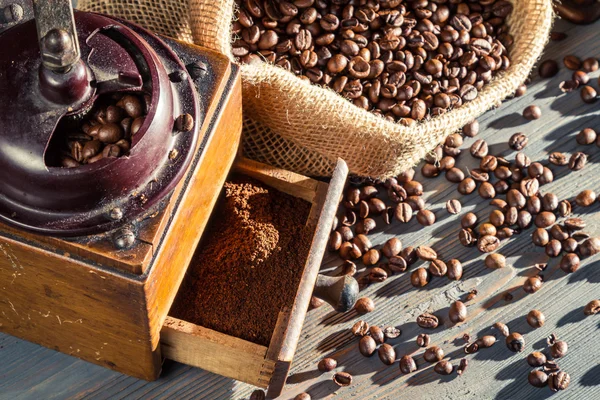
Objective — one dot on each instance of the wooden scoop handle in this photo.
(339, 291)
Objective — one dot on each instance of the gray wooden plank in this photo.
(29, 371)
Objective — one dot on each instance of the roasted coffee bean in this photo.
(377, 334)
(570, 245)
(371, 257)
(589, 64)
(443, 367)
(572, 62)
(574, 224)
(349, 251)
(569, 263)
(592, 308)
(502, 328)
(486, 341)
(327, 364)
(529, 187)
(387, 354)
(532, 112)
(335, 241)
(426, 253)
(518, 141)
(471, 129)
(433, 354)
(455, 175)
(364, 305)
(585, 198)
(415, 202)
(346, 232)
(589, 247)
(564, 208)
(410, 255)
(392, 247)
(367, 346)
(515, 199)
(548, 69)
(479, 148)
(558, 232)
(447, 163)
(540, 237)
(397, 264)
(430, 170)
(580, 77)
(455, 270)
(303, 396)
(532, 284)
(407, 364)
(391, 332)
(467, 186)
(377, 274)
(537, 378)
(403, 212)
(559, 349)
(342, 379)
(549, 202)
(545, 219)
(486, 229)
(558, 381)
(515, 342)
(586, 136)
(360, 328)
(365, 226)
(462, 367)
(577, 161)
(420, 277)
(457, 312)
(425, 217)
(553, 248)
(469, 220)
(423, 340)
(427, 321)
(495, 261)
(258, 395)
(467, 237)
(453, 206)
(536, 359)
(558, 158)
(588, 94)
(488, 163)
(479, 175)
(524, 219)
(486, 190)
(488, 244)
(536, 319)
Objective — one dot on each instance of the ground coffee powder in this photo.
(248, 263)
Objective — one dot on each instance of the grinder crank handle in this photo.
(339, 291)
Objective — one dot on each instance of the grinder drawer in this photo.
(260, 365)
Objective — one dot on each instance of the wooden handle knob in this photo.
(339, 291)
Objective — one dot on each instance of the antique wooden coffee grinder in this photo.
(92, 253)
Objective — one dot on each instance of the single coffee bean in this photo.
(588, 94)
(529, 187)
(545, 219)
(403, 212)
(410, 255)
(589, 64)
(495, 261)
(387, 354)
(364, 305)
(443, 367)
(342, 379)
(537, 378)
(553, 248)
(548, 69)
(469, 220)
(487, 190)
(423, 340)
(574, 224)
(360, 328)
(377, 334)
(564, 208)
(570, 245)
(586, 136)
(524, 219)
(413, 188)
(420, 277)
(559, 349)
(349, 251)
(467, 186)
(426, 253)
(558, 381)
(569, 263)
(327, 364)
(471, 129)
(367, 346)
(453, 206)
(487, 229)
(471, 348)
(303, 396)
(585, 198)
(377, 275)
(427, 321)
(558, 158)
(407, 364)
(365, 226)
(532, 284)
(502, 328)
(515, 342)
(479, 148)
(335, 241)
(532, 112)
(391, 332)
(392, 247)
(549, 202)
(592, 308)
(577, 161)
(540, 237)
(580, 77)
(433, 354)
(397, 264)
(516, 199)
(589, 247)
(518, 141)
(457, 312)
(486, 341)
(572, 62)
(438, 268)
(258, 395)
(425, 217)
(536, 319)
(536, 359)
(462, 367)
(455, 270)
(479, 175)
(488, 244)
(455, 175)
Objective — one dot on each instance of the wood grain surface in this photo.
(29, 371)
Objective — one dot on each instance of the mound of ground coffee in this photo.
(249, 262)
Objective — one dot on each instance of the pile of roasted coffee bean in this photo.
(106, 132)
(580, 78)
(405, 61)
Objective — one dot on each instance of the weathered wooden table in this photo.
(28, 371)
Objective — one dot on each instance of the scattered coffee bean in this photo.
(559, 349)
(577, 161)
(427, 321)
(502, 328)
(572, 62)
(342, 379)
(479, 148)
(532, 112)
(580, 77)
(588, 94)
(403, 212)
(392, 247)
(455, 270)
(457, 312)
(585, 198)
(407, 364)
(364, 305)
(518, 141)
(540, 237)
(377, 334)
(495, 261)
(303, 396)
(426, 253)
(371, 257)
(423, 340)
(558, 381)
(258, 395)
(488, 243)
(360, 328)
(362, 242)
(433, 354)
(536, 359)
(545, 219)
(586, 136)
(592, 308)
(387, 354)
(425, 217)
(443, 367)
(471, 129)
(471, 348)
(462, 367)
(420, 277)
(486, 341)
(589, 247)
(536, 319)
(327, 364)
(564, 208)
(367, 346)
(589, 64)
(537, 378)
(569, 263)
(532, 284)
(397, 264)
(469, 220)
(453, 206)
(348, 268)
(391, 332)
(553, 248)
(548, 69)
(558, 158)
(467, 186)
(515, 342)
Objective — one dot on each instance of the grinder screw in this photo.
(116, 214)
(197, 70)
(13, 13)
(184, 123)
(124, 238)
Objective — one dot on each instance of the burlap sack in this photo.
(304, 128)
